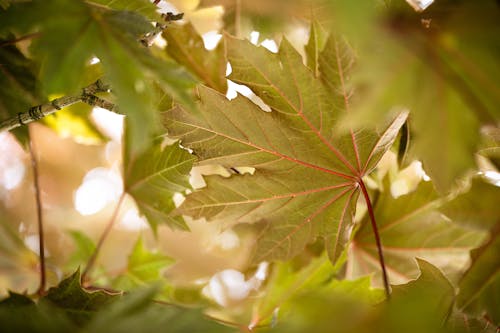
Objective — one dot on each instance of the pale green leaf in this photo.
(286, 280)
(305, 183)
(143, 267)
(154, 177)
(480, 285)
(187, 48)
(411, 226)
(84, 248)
(342, 306)
(477, 208)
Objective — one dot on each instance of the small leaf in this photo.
(187, 48)
(154, 177)
(84, 248)
(143, 267)
(77, 303)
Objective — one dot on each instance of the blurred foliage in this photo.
(343, 68)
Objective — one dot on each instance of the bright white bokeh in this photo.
(99, 187)
(211, 39)
(133, 221)
(109, 123)
(493, 177)
(229, 286)
(12, 169)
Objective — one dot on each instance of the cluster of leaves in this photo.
(69, 308)
(311, 157)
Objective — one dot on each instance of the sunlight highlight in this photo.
(100, 187)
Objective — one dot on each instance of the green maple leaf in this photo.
(153, 177)
(412, 226)
(307, 176)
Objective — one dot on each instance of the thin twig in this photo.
(19, 39)
(377, 239)
(37, 112)
(103, 237)
(39, 215)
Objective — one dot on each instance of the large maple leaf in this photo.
(307, 174)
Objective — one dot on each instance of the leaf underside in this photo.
(306, 179)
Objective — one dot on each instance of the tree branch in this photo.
(42, 110)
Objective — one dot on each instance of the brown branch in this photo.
(38, 198)
(19, 39)
(42, 110)
(104, 236)
(385, 278)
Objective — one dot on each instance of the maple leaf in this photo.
(307, 177)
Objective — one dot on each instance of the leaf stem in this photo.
(39, 215)
(104, 235)
(387, 287)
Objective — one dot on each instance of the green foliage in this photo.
(440, 70)
(286, 167)
(110, 35)
(69, 308)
